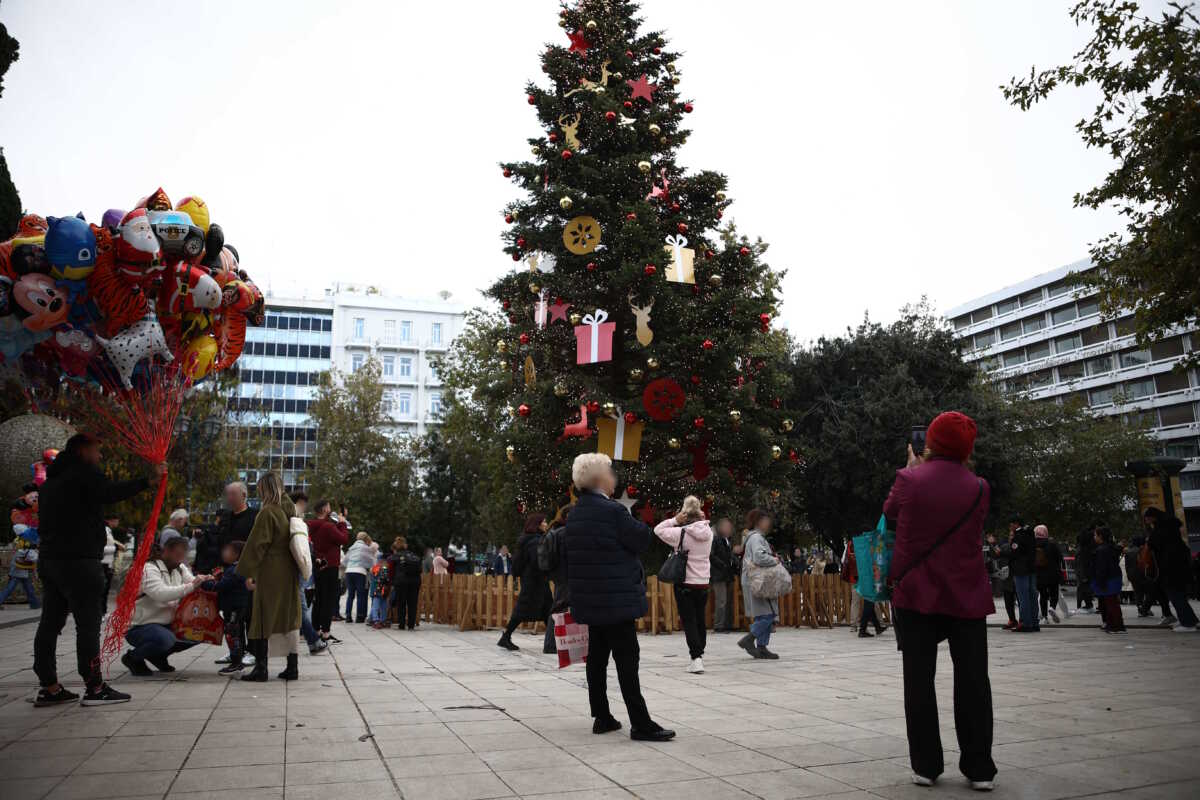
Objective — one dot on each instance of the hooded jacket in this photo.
(71, 507)
(698, 544)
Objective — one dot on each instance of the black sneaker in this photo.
(47, 698)
(317, 647)
(105, 695)
(602, 725)
(507, 643)
(161, 664)
(655, 734)
(136, 666)
(862, 635)
(231, 669)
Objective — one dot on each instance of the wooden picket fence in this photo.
(474, 602)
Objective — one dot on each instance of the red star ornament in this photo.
(578, 43)
(559, 310)
(642, 88)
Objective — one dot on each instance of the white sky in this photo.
(868, 143)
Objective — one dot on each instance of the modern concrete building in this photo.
(342, 328)
(1044, 338)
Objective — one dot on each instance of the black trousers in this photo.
(1083, 592)
(693, 605)
(972, 693)
(235, 634)
(619, 639)
(328, 592)
(108, 576)
(1047, 596)
(73, 587)
(405, 596)
(869, 615)
(1010, 604)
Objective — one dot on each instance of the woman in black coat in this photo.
(533, 603)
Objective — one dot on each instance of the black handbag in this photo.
(674, 569)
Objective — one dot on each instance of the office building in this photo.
(1044, 338)
(341, 329)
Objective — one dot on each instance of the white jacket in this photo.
(161, 591)
(360, 558)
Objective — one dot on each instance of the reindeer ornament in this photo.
(642, 313)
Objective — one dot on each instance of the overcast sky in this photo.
(868, 143)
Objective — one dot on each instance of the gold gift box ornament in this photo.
(683, 259)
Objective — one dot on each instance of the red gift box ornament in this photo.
(594, 338)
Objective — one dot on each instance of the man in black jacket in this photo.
(72, 544)
(608, 592)
(722, 572)
(1024, 572)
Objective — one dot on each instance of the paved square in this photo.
(438, 714)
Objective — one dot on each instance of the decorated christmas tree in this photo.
(638, 324)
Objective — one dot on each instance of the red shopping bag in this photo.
(197, 619)
(571, 639)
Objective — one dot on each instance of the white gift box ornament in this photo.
(541, 310)
(683, 258)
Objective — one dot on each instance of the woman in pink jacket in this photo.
(692, 596)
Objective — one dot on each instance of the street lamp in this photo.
(198, 439)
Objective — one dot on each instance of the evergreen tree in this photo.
(612, 223)
(10, 200)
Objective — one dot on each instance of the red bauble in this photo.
(611, 116)
(566, 154)
(650, 269)
(741, 380)
(698, 422)
(593, 406)
(630, 417)
(521, 508)
(657, 51)
(629, 54)
(793, 456)
(720, 214)
(553, 137)
(708, 344)
(591, 266)
(524, 338)
(675, 207)
(523, 410)
(508, 218)
(696, 380)
(776, 402)
(695, 289)
(521, 241)
(628, 105)
(744, 251)
(507, 172)
(630, 217)
(631, 490)
(687, 108)
(505, 305)
(516, 256)
(683, 228)
(531, 99)
(709, 254)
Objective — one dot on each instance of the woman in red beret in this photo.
(940, 591)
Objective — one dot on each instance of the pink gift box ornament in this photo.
(594, 338)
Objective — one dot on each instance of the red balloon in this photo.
(709, 254)
(675, 206)
(663, 399)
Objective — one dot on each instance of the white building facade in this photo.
(1044, 338)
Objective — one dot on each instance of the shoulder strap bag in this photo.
(674, 569)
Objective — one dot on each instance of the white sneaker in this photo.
(983, 786)
(697, 666)
(921, 780)
(1182, 629)
(1054, 616)
(248, 660)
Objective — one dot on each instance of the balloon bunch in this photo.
(107, 303)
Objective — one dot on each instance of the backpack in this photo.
(1040, 561)
(549, 550)
(1147, 563)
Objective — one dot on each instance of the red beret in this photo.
(951, 434)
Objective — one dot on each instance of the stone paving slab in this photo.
(440, 714)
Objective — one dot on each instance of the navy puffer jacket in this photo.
(603, 545)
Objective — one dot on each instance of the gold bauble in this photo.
(560, 389)
(501, 346)
(609, 409)
(535, 149)
(591, 25)
(652, 362)
(720, 197)
(644, 167)
(635, 374)
(654, 130)
(565, 203)
(663, 140)
(672, 66)
(512, 411)
(710, 498)
(501, 364)
(776, 452)
(788, 425)
(675, 81)
(735, 417)
(714, 280)
(511, 453)
(673, 443)
(534, 288)
(774, 494)
(617, 76)
(513, 214)
(576, 319)
(562, 22)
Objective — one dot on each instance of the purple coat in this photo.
(925, 501)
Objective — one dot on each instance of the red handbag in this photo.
(197, 619)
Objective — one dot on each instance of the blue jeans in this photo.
(306, 627)
(1026, 586)
(761, 629)
(154, 641)
(379, 608)
(356, 591)
(27, 584)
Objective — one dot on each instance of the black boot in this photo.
(258, 648)
(292, 673)
(506, 642)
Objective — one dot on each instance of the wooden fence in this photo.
(475, 602)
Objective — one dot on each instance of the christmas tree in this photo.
(638, 325)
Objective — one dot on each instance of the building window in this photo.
(1088, 306)
(435, 404)
(1041, 378)
(405, 331)
(1060, 288)
(1173, 381)
(1006, 306)
(389, 366)
(404, 404)
(1034, 323)
(1095, 334)
(1010, 331)
(356, 362)
(1136, 390)
(962, 322)
(1182, 414)
(1099, 365)
(1125, 327)
(432, 366)
(980, 314)
(1014, 357)
(1070, 372)
(1101, 397)
(985, 339)
(1134, 358)
(405, 367)
(360, 328)
(1189, 481)
(1185, 448)
(435, 334)
(1031, 298)
(1168, 348)
(387, 403)
(389, 331)
(1036, 351)
(1065, 344)
(1064, 314)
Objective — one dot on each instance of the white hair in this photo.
(240, 485)
(588, 468)
(692, 508)
(178, 514)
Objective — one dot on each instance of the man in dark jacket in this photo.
(1049, 562)
(1172, 557)
(722, 572)
(1024, 572)
(72, 544)
(1085, 554)
(608, 592)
